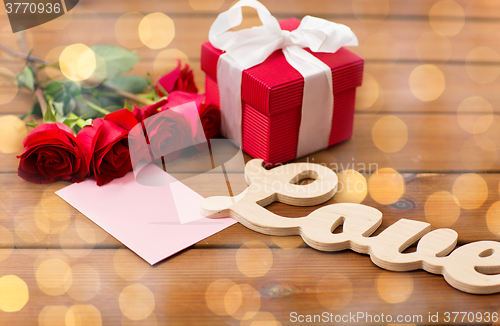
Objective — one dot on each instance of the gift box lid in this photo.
(274, 86)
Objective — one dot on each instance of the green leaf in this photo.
(72, 88)
(70, 122)
(96, 107)
(49, 116)
(165, 93)
(58, 106)
(132, 84)
(108, 101)
(37, 109)
(118, 60)
(85, 123)
(30, 124)
(26, 79)
(53, 88)
(128, 106)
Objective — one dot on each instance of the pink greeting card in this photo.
(153, 221)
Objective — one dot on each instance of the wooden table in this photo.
(427, 114)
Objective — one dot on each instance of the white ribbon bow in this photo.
(250, 47)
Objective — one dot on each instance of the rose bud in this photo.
(177, 80)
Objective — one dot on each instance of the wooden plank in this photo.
(386, 88)
(378, 8)
(296, 280)
(448, 147)
(35, 217)
(379, 40)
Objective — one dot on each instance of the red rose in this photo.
(177, 80)
(148, 110)
(177, 98)
(210, 120)
(168, 133)
(51, 153)
(209, 114)
(107, 144)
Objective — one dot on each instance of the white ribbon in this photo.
(250, 47)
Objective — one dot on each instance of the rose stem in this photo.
(38, 91)
(21, 55)
(125, 94)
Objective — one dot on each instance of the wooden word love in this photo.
(472, 268)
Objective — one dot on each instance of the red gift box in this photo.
(272, 93)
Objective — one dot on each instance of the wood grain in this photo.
(378, 40)
(387, 91)
(344, 282)
(449, 148)
(20, 200)
(437, 153)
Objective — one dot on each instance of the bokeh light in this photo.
(98, 75)
(486, 9)
(442, 209)
(123, 259)
(475, 114)
(166, 61)
(137, 302)
(127, 30)
(87, 230)
(485, 143)
(334, 291)
(254, 259)
(150, 321)
(288, 242)
(261, 319)
(493, 218)
(242, 301)
(53, 215)
(433, 46)
(53, 316)
(368, 94)
(83, 315)
(53, 57)
(386, 186)
(471, 190)
(26, 228)
(156, 30)
(206, 4)
(72, 244)
(394, 287)
(54, 276)
(373, 10)
(390, 134)
(447, 8)
(215, 295)
(8, 85)
(352, 187)
(77, 62)
(478, 65)
(427, 82)
(12, 133)
(86, 283)
(475, 157)
(14, 293)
